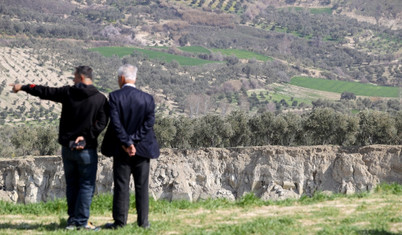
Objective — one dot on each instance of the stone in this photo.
(182, 196)
(288, 185)
(232, 181)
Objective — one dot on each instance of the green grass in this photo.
(393, 188)
(114, 51)
(321, 11)
(367, 213)
(243, 54)
(152, 54)
(343, 86)
(195, 49)
(182, 60)
(283, 225)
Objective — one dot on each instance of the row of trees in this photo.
(321, 126)
(28, 140)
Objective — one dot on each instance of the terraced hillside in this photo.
(223, 72)
(26, 66)
(240, 54)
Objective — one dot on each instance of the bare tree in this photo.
(197, 104)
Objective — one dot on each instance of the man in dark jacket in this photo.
(131, 140)
(84, 116)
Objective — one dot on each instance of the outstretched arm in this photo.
(16, 87)
(43, 92)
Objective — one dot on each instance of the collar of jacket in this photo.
(128, 85)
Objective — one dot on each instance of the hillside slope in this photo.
(27, 66)
(42, 40)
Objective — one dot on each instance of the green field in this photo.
(356, 88)
(243, 54)
(152, 54)
(195, 49)
(321, 11)
(114, 51)
(182, 60)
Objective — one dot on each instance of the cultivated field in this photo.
(195, 49)
(182, 60)
(27, 66)
(152, 54)
(232, 6)
(358, 89)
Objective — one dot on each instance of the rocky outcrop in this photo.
(270, 172)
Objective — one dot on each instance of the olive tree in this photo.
(321, 126)
(238, 121)
(260, 127)
(376, 128)
(211, 131)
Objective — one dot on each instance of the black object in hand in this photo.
(74, 145)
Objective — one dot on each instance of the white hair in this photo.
(128, 71)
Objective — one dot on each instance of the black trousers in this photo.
(123, 167)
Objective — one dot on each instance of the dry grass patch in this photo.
(331, 215)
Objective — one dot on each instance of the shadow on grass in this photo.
(34, 226)
(59, 228)
(375, 232)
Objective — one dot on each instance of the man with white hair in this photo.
(131, 140)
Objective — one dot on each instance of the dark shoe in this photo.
(146, 226)
(71, 224)
(71, 227)
(89, 226)
(112, 226)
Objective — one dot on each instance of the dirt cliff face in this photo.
(271, 172)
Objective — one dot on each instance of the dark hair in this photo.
(84, 70)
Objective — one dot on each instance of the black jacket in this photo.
(84, 111)
(132, 117)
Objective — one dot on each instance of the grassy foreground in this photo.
(379, 212)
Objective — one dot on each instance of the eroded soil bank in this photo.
(271, 172)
